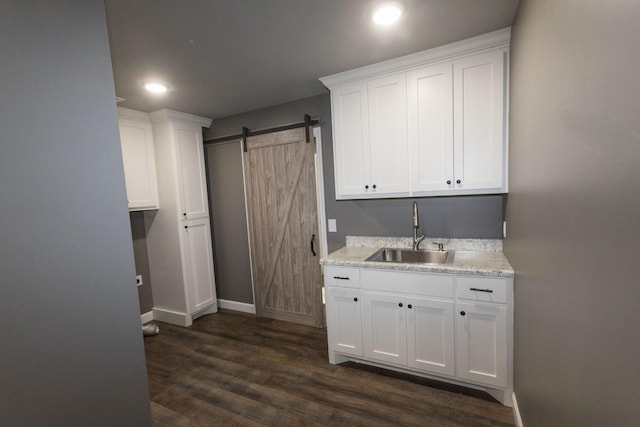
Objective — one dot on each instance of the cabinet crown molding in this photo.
(128, 113)
(171, 115)
(495, 39)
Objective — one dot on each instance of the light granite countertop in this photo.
(481, 257)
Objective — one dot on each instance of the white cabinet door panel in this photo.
(430, 121)
(388, 134)
(193, 194)
(481, 343)
(344, 320)
(136, 138)
(351, 140)
(384, 327)
(198, 264)
(430, 335)
(479, 127)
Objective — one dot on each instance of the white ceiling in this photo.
(223, 57)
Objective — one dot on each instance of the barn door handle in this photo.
(313, 244)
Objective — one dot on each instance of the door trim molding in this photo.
(322, 213)
(246, 214)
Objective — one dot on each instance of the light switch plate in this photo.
(332, 225)
(139, 280)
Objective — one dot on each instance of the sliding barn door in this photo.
(283, 226)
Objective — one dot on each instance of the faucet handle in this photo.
(440, 245)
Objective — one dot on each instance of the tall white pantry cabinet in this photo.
(179, 233)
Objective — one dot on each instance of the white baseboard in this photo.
(173, 317)
(516, 411)
(146, 317)
(237, 306)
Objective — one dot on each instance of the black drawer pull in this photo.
(482, 290)
(341, 278)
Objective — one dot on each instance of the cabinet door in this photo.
(198, 264)
(481, 343)
(191, 172)
(388, 135)
(430, 335)
(430, 121)
(351, 140)
(136, 139)
(344, 320)
(479, 134)
(384, 327)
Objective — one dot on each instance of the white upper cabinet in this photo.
(179, 139)
(371, 118)
(138, 157)
(427, 124)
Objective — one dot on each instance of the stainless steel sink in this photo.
(411, 256)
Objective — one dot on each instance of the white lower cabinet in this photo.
(384, 326)
(344, 320)
(449, 327)
(409, 331)
(482, 330)
(430, 335)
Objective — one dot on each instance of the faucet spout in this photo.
(416, 225)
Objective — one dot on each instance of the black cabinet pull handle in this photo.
(458, 181)
(490, 291)
(374, 186)
(341, 278)
(366, 187)
(184, 214)
(355, 299)
(448, 181)
(409, 306)
(186, 226)
(462, 313)
(313, 243)
(399, 304)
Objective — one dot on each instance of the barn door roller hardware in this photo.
(307, 124)
(245, 135)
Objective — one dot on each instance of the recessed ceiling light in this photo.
(155, 87)
(386, 14)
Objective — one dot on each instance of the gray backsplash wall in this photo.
(141, 260)
(472, 216)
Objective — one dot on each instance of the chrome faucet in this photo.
(416, 224)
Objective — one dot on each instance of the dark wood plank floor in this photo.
(235, 369)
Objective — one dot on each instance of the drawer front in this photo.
(485, 289)
(346, 277)
(408, 282)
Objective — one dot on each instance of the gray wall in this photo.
(72, 351)
(229, 220)
(139, 237)
(573, 212)
(473, 216)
